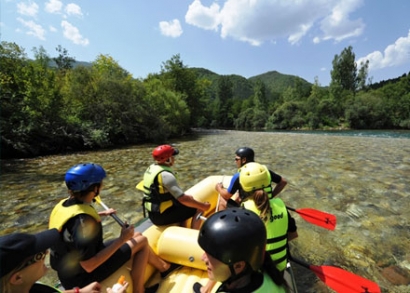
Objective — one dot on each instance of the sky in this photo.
(243, 37)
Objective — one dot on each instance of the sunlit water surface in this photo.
(363, 180)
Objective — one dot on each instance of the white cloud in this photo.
(338, 26)
(73, 9)
(258, 21)
(29, 9)
(73, 34)
(171, 29)
(203, 17)
(52, 29)
(54, 6)
(394, 55)
(34, 29)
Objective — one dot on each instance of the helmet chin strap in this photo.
(234, 276)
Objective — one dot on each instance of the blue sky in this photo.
(244, 37)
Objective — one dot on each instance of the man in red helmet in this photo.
(164, 200)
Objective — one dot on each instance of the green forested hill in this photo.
(275, 82)
(279, 83)
(53, 105)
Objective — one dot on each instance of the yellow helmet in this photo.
(254, 176)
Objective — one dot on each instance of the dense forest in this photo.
(54, 105)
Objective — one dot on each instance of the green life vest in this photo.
(156, 198)
(61, 214)
(43, 288)
(277, 230)
(268, 285)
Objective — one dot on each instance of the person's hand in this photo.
(219, 186)
(127, 232)
(206, 206)
(107, 212)
(120, 290)
(94, 287)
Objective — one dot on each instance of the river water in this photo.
(362, 180)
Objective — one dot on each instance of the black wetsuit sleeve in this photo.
(291, 224)
(275, 177)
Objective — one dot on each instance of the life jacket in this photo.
(61, 214)
(43, 288)
(268, 285)
(156, 198)
(276, 229)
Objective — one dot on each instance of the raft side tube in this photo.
(180, 245)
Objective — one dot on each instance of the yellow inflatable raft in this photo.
(179, 245)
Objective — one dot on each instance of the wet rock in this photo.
(396, 275)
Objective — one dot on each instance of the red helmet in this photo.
(164, 152)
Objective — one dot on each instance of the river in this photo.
(362, 179)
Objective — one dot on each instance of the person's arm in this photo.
(292, 228)
(170, 183)
(90, 288)
(279, 181)
(232, 188)
(222, 191)
(190, 201)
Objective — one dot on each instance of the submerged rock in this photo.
(396, 275)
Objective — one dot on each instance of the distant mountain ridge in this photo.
(275, 81)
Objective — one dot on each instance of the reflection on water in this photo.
(363, 180)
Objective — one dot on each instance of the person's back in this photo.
(276, 223)
(164, 200)
(253, 179)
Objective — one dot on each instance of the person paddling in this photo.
(229, 196)
(164, 200)
(80, 255)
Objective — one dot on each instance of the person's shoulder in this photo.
(235, 176)
(41, 288)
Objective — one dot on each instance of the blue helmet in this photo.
(82, 176)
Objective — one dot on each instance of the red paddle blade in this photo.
(343, 281)
(319, 218)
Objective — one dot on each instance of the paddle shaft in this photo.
(114, 216)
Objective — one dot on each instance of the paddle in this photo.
(340, 280)
(115, 217)
(319, 218)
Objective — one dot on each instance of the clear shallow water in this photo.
(362, 179)
(360, 133)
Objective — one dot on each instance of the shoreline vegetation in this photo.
(57, 105)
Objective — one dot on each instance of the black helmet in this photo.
(247, 153)
(234, 235)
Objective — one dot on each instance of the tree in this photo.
(344, 72)
(259, 95)
(178, 78)
(63, 61)
(224, 100)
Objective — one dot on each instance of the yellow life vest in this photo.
(156, 198)
(61, 214)
(277, 230)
